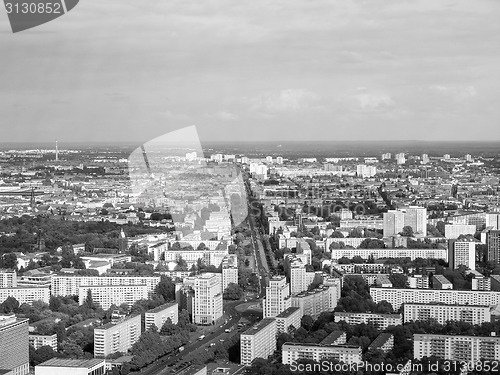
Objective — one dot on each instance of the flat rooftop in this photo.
(259, 326)
(287, 312)
(64, 362)
(162, 307)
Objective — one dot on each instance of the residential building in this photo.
(25, 295)
(277, 297)
(390, 253)
(397, 296)
(8, 278)
(380, 321)
(37, 341)
(493, 244)
(14, 345)
(493, 221)
(112, 338)
(470, 349)
(66, 285)
(335, 338)
(64, 366)
(418, 281)
(258, 341)
(292, 352)
(314, 302)
(366, 171)
(442, 313)
(207, 303)
(416, 218)
(107, 295)
(394, 221)
(383, 342)
(462, 253)
(495, 283)
(291, 317)
(159, 315)
(229, 271)
(441, 282)
(453, 231)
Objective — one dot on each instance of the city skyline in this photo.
(296, 71)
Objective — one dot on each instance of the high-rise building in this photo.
(122, 242)
(289, 318)
(493, 244)
(14, 345)
(8, 278)
(26, 295)
(277, 297)
(207, 303)
(112, 338)
(366, 171)
(462, 253)
(400, 158)
(258, 341)
(416, 218)
(470, 349)
(159, 315)
(107, 295)
(279, 160)
(493, 221)
(468, 158)
(394, 221)
(314, 302)
(453, 231)
(386, 156)
(425, 158)
(229, 271)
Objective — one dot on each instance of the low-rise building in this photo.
(441, 282)
(292, 352)
(37, 341)
(64, 366)
(383, 342)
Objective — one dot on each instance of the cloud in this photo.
(290, 100)
(226, 116)
(455, 92)
(372, 101)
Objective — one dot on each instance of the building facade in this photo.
(292, 352)
(277, 297)
(258, 341)
(207, 303)
(106, 296)
(14, 345)
(442, 313)
(159, 315)
(112, 338)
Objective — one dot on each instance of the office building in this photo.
(14, 345)
(112, 338)
(292, 352)
(25, 295)
(441, 282)
(277, 297)
(37, 341)
(379, 321)
(397, 296)
(456, 348)
(159, 315)
(229, 271)
(453, 231)
(68, 285)
(8, 278)
(442, 313)
(493, 245)
(258, 341)
(287, 319)
(462, 253)
(109, 295)
(65, 366)
(207, 303)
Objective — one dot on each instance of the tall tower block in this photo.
(57, 152)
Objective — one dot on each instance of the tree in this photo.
(8, 260)
(307, 322)
(70, 348)
(41, 355)
(169, 328)
(398, 280)
(10, 305)
(407, 231)
(166, 288)
(89, 301)
(233, 292)
(384, 307)
(337, 234)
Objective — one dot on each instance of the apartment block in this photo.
(418, 282)
(258, 341)
(335, 338)
(159, 315)
(383, 342)
(37, 341)
(462, 253)
(64, 366)
(442, 313)
(380, 321)
(8, 278)
(113, 295)
(14, 345)
(316, 301)
(207, 303)
(441, 282)
(68, 285)
(111, 338)
(229, 271)
(292, 352)
(277, 297)
(493, 244)
(25, 295)
(390, 253)
(397, 296)
(456, 348)
(289, 318)
(453, 231)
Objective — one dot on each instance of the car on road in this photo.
(212, 344)
(201, 337)
(227, 330)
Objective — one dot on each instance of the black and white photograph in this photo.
(250, 188)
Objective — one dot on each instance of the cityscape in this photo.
(188, 259)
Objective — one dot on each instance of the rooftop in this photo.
(64, 362)
(259, 326)
(162, 307)
(287, 312)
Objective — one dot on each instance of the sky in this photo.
(120, 70)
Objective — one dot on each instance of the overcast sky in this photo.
(120, 70)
